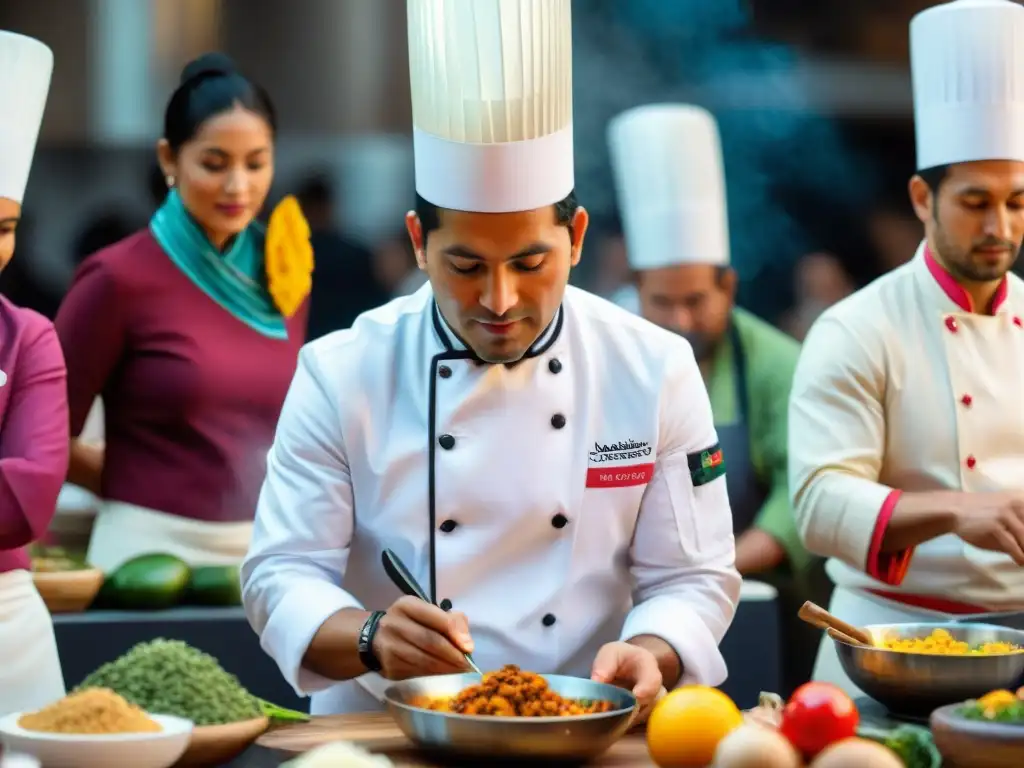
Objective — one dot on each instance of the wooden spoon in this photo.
(836, 628)
(835, 634)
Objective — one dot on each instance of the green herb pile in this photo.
(169, 677)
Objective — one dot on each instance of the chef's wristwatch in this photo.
(366, 634)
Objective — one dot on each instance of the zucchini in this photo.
(149, 582)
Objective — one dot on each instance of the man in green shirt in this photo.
(671, 187)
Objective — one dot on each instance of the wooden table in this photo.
(377, 733)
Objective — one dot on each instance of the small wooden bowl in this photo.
(68, 591)
(219, 744)
(976, 743)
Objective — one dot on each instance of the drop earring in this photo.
(170, 181)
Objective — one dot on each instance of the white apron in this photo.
(552, 502)
(123, 531)
(30, 673)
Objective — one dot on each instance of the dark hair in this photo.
(934, 176)
(211, 85)
(316, 190)
(430, 215)
(103, 231)
(156, 183)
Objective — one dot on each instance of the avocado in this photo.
(219, 585)
(146, 583)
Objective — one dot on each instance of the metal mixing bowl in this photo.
(579, 737)
(915, 684)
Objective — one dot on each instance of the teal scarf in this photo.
(234, 279)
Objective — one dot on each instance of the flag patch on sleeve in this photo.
(706, 465)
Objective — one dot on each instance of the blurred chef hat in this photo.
(491, 88)
(667, 164)
(967, 66)
(25, 69)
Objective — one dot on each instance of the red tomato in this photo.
(816, 715)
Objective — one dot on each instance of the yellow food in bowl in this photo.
(941, 643)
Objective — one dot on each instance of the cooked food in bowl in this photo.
(449, 729)
(915, 683)
(90, 711)
(510, 692)
(942, 643)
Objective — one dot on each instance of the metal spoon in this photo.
(405, 581)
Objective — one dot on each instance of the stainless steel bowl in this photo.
(579, 737)
(916, 683)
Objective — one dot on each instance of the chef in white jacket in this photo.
(906, 435)
(544, 463)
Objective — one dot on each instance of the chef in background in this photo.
(668, 168)
(545, 463)
(906, 433)
(33, 404)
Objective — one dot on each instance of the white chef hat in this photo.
(25, 69)
(967, 65)
(491, 102)
(670, 182)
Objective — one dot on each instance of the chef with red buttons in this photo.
(906, 431)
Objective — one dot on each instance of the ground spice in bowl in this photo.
(92, 711)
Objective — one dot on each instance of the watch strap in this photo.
(366, 634)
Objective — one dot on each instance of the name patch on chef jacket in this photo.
(706, 465)
(619, 477)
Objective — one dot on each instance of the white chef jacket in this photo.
(901, 386)
(556, 495)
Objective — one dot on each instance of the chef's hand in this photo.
(993, 521)
(633, 668)
(415, 639)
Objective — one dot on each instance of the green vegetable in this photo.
(219, 585)
(281, 714)
(913, 744)
(146, 583)
(169, 677)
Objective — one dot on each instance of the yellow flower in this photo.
(996, 700)
(289, 256)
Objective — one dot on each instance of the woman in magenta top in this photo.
(33, 404)
(189, 332)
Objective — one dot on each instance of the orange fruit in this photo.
(685, 727)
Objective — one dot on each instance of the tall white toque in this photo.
(491, 102)
(670, 184)
(967, 66)
(26, 66)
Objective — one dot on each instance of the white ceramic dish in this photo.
(160, 749)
